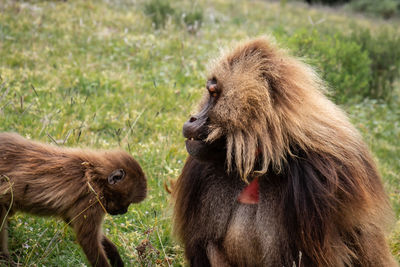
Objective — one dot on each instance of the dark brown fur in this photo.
(322, 202)
(72, 184)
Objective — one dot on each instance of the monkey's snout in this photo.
(118, 212)
(140, 197)
(195, 128)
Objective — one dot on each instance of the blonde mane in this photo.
(271, 101)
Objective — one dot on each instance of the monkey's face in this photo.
(197, 128)
(236, 100)
(125, 184)
(238, 114)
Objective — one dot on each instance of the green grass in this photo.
(98, 74)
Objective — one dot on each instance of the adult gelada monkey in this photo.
(78, 185)
(276, 174)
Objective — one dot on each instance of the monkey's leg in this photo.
(5, 254)
(215, 256)
(112, 252)
(4, 232)
(89, 236)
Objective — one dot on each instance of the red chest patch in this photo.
(250, 194)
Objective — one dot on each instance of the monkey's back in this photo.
(39, 178)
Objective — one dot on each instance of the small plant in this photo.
(360, 65)
(384, 52)
(327, 2)
(193, 20)
(159, 11)
(341, 61)
(384, 8)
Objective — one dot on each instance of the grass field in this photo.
(99, 74)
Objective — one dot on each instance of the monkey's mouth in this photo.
(196, 131)
(206, 151)
(195, 147)
(194, 141)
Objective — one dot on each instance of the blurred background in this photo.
(127, 73)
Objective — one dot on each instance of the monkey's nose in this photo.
(192, 119)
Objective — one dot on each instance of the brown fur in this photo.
(322, 202)
(69, 183)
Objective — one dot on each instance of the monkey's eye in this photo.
(116, 176)
(212, 87)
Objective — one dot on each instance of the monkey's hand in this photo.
(112, 253)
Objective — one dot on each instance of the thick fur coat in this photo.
(321, 199)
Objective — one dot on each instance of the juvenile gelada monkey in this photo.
(78, 185)
(276, 174)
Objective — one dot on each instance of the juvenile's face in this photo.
(126, 184)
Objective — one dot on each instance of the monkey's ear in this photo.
(116, 176)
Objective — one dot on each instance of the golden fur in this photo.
(270, 100)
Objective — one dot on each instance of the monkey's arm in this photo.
(112, 252)
(4, 232)
(89, 235)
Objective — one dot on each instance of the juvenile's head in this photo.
(258, 102)
(120, 179)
